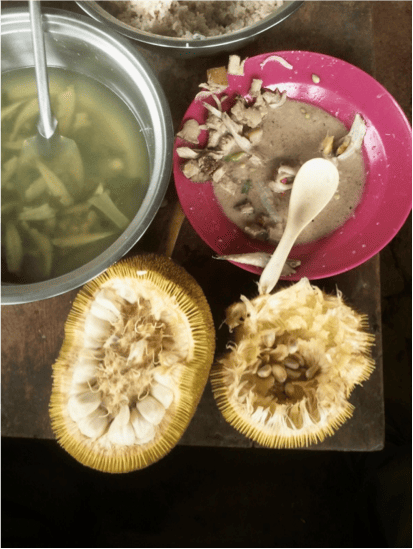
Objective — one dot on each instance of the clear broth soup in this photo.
(58, 215)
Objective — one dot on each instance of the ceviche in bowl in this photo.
(249, 130)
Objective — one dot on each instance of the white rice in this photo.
(191, 19)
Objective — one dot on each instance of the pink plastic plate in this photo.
(343, 91)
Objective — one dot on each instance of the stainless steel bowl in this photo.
(80, 44)
(182, 47)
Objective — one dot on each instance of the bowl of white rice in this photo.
(193, 28)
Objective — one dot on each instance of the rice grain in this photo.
(193, 19)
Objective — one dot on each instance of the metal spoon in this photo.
(314, 186)
(47, 143)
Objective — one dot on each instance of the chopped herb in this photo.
(234, 157)
(246, 186)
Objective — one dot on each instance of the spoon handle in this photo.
(47, 123)
(272, 271)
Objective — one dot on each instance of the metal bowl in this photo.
(80, 44)
(182, 47)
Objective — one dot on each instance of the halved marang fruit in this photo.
(297, 355)
(138, 348)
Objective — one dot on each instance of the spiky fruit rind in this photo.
(298, 322)
(181, 295)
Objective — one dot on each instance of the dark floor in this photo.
(198, 497)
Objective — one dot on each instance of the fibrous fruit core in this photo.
(138, 347)
(296, 356)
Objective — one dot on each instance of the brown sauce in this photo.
(292, 134)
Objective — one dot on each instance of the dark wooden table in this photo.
(32, 333)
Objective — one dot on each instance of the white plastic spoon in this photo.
(314, 186)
